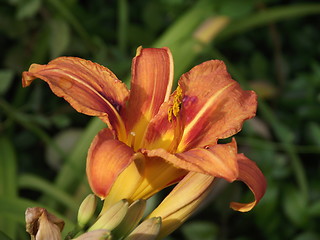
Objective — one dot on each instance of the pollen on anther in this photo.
(177, 104)
(133, 134)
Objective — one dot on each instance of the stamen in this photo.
(131, 139)
(177, 123)
(176, 107)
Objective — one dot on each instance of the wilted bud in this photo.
(147, 230)
(182, 201)
(87, 209)
(100, 234)
(132, 218)
(111, 217)
(42, 225)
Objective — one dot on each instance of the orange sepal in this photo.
(107, 158)
(251, 175)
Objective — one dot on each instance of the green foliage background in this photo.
(271, 46)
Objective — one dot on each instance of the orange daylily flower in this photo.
(154, 138)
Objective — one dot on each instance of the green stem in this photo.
(123, 24)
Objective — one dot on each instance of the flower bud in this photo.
(100, 234)
(42, 225)
(182, 201)
(132, 218)
(87, 209)
(147, 230)
(111, 217)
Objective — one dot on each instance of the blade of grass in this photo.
(123, 24)
(268, 16)
(64, 10)
(22, 119)
(74, 168)
(191, 33)
(185, 25)
(33, 182)
(8, 184)
(8, 167)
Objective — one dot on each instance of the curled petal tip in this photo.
(251, 175)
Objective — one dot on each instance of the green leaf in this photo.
(314, 133)
(39, 184)
(199, 231)
(295, 206)
(8, 185)
(185, 25)
(3, 236)
(314, 209)
(66, 12)
(307, 236)
(28, 8)
(65, 140)
(6, 77)
(24, 120)
(73, 170)
(59, 37)
(270, 15)
(235, 8)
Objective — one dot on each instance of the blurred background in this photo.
(270, 46)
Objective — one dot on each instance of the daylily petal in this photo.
(126, 183)
(160, 132)
(182, 201)
(214, 106)
(89, 87)
(152, 78)
(157, 175)
(218, 160)
(107, 158)
(251, 175)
